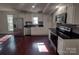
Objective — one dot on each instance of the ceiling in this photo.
(27, 7)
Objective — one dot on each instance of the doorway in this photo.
(18, 26)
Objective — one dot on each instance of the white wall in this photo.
(3, 23)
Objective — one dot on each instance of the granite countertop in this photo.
(62, 35)
(76, 30)
(53, 30)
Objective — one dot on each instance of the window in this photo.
(35, 20)
(10, 22)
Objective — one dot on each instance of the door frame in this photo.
(15, 24)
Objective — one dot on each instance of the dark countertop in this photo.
(76, 30)
(53, 30)
(62, 35)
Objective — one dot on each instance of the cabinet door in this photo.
(60, 45)
(70, 14)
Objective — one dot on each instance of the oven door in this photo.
(54, 39)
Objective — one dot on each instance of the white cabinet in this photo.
(68, 46)
(73, 13)
(60, 45)
(70, 13)
(27, 31)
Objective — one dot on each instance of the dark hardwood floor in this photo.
(26, 45)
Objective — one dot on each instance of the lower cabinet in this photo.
(60, 46)
(68, 46)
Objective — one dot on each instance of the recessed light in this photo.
(33, 6)
(57, 6)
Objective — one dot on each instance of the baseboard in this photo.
(27, 35)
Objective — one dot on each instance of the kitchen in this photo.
(57, 22)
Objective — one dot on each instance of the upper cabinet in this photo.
(70, 13)
(76, 13)
(73, 13)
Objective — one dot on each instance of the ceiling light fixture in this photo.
(33, 6)
(57, 6)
